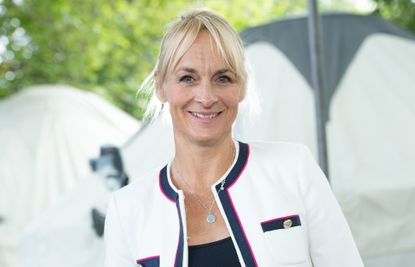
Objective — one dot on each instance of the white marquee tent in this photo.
(47, 135)
(370, 120)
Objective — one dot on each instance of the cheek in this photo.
(173, 93)
(178, 99)
(238, 94)
(232, 99)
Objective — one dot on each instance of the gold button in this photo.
(287, 223)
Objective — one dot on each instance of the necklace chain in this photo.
(211, 218)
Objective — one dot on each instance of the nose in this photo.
(205, 95)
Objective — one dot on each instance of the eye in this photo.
(224, 79)
(186, 79)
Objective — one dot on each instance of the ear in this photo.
(160, 93)
(242, 94)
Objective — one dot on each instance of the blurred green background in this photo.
(108, 47)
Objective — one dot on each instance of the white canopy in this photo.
(48, 134)
(370, 137)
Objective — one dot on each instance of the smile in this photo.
(205, 116)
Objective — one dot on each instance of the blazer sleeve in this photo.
(331, 241)
(116, 246)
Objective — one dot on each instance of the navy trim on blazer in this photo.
(231, 213)
(153, 261)
(178, 262)
(224, 196)
(233, 175)
(236, 171)
(278, 223)
(173, 196)
(165, 187)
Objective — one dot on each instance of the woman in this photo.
(220, 202)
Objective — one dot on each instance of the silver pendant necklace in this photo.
(211, 217)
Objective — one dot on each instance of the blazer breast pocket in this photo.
(153, 261)
(285, 238)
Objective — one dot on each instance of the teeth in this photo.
(205, 116)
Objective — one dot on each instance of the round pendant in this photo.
(211, 218)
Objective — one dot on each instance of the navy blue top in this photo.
(218, 253)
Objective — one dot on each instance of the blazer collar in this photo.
(170, 192)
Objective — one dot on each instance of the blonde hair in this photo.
(178, 38)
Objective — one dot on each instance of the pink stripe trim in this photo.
(233, 206)
(178, 242)
(243, 230)
(281, 218)
(147, 258)
(243, 169)
(161, 189)
(171, 200)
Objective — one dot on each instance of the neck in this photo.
(201, 166)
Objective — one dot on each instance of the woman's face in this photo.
(203, 94)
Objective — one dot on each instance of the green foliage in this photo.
(246, 13)
(399, 11)
(110, 46)
(103, 46)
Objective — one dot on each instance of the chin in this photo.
(206, 139)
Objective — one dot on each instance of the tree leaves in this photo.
(110, 46)
(399, 11)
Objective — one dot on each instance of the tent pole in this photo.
(317, 80)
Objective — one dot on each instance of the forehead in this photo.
(202, 55)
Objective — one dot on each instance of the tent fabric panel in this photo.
(372, 148)
(290, 116)
(48, 135)
(342, 37)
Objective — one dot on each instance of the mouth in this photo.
(205, 116)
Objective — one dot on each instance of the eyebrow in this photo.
(222, 71)
(191, 70)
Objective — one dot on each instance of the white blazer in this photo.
(277, 206)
